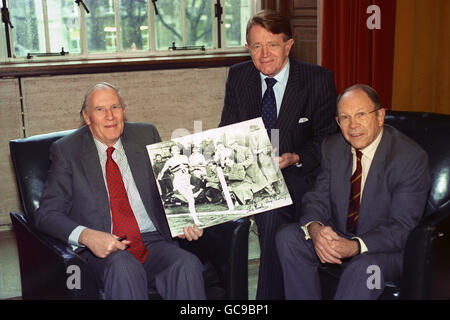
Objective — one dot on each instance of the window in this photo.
(123, 28)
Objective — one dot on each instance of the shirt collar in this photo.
(281, 77)
(370, 150)
(101, 147)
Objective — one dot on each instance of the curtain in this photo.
(354, 49)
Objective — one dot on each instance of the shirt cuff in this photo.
(74, 236)
(307, 237)
(362, 245)
(299, 163)
(305, 229)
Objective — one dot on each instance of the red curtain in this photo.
(355, 52)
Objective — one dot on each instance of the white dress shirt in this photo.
(366, 160)
(280, 85)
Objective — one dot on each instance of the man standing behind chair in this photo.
(101, 187)
(369, 195)
(296, 101)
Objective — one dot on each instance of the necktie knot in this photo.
(109, 152)
(358, 154)
(270, 82)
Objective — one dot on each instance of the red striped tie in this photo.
(355, 196)
(124, 221)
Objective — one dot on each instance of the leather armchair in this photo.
(44, 260)
(426, 262)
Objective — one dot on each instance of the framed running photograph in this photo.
(217, 175)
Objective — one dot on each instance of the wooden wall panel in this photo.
(303, 16)
(11, 128)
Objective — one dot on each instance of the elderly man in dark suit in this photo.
(296, 102)
(101, 197)
(369, 195)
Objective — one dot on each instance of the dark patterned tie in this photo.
(355, 196)
(124, 221)
(269, 106)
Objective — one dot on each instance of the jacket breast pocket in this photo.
(302, 131)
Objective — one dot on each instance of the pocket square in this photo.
(301, 120)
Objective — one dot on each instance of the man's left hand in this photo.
(191, 233)
(347, 248)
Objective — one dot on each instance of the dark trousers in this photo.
(300, 264)
(174, 272)
(270, 277)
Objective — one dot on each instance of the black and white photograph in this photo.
(217, 175)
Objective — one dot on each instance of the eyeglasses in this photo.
(359, 117)
(257, 47)
(113, 109)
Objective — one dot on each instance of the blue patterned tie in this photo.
(269, 106)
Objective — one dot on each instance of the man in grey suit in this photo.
(304, 96)
(78, 203)
(390, 185)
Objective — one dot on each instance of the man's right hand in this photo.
(101, 243)
(322, 237)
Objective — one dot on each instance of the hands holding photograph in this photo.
(233, 183)
(286, 159)
(191, 233)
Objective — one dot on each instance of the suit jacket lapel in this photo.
(343, 189)
(291, 101)
(94, 175)
(139, 163)
(253, 94)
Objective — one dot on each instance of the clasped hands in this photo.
(329, 246)
(103, 244)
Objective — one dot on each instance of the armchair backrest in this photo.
(30, 157)
(426, 254)
(432, 132)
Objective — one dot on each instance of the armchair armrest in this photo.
(421, 255)
(44, 263)
(226, 247)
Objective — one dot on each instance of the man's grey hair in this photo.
(99, 86)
